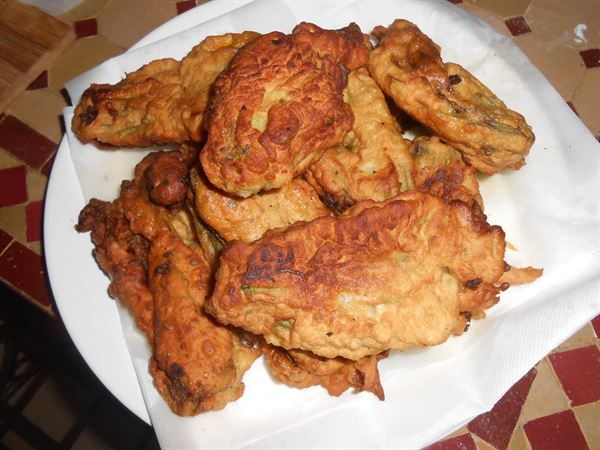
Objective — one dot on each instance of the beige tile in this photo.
(35, 247)
(40, 110)
(545, 396)
(481, 444)
(576, 25)
(519, 441)
(588, 417)
(15, 442)
(582, 338)
(458, 432)
(56, 406)
(81, 55)
(85, 10)
(89, 439)
(36, 185)
(587, 98)
(503, 8)
(8, 160)
(561, 65)
(492, 19)
(12, 220)
(125, 22)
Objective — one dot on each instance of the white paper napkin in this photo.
(548, 209)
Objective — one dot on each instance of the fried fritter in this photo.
(302, 369)
(160, 179)
(122, 255)
(197, 364)
(373, 161)
(162, 102)
(392, 275)
(279, 106)
(161, 263)
(448, 99)
(440, 170)
(249, 218)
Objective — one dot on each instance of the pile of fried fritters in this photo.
(295, 220)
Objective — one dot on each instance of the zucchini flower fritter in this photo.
(447, 99)
(373, 162)
(163, 102)
(392, 275)
(279, 106)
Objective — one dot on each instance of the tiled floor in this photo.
(50, 398)
(555, 406)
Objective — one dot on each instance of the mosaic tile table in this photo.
(555, 406)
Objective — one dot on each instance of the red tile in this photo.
(591, 57)
(24, 270)
(185, 5)
(462, 442)
(40, 82)
(497, 426)
(86, 27)
(24, 142)
(579, 373)
(5, 239)
(596, 320)
(517, 25)
(13, 186)
(558, 431)
(33, 213)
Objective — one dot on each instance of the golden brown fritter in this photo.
(159, 179)
(121, 254)
(373, 161)
(440, 170)
(302, 369)
(279, 106)
(247, 219)
(161, 263)
(162, 102)
(197, 364)
(389, 275)
(448, 99)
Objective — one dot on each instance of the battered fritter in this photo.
(302, 369)
(392, 275)
(440, 170)
(279, 106)
(162, 102)
(197, 364)
(449, 100)
(247, 219)
(161, 264)
(373, 162)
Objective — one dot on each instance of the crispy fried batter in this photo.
(162, 102)
(249, 218)
(440, 170)
(139, 196)
(197, 365)
(161, 263)
(121, 254)
(448, 99)
(373, 162)
(279, 106)
(381, 276)
(302, 369)
(520, 275)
